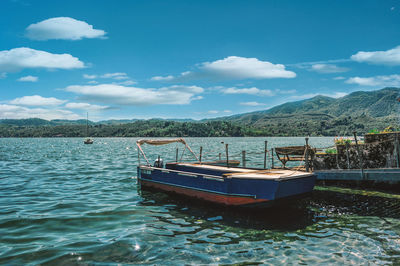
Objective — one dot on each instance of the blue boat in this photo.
(227, 185)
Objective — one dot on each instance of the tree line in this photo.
(160, 128)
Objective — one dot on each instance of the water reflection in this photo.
(288, 217)
(345, 201)
(322, 204)
(347, 223)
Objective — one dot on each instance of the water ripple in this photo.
(66, 203)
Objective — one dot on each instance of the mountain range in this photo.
(359, 111)
(380, 103)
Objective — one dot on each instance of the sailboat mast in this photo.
(87, 124)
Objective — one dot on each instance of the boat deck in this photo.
(234, 172)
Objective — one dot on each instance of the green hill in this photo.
(321, 115)
(373, 103)
(378, 103)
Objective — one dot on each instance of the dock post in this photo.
(219, 156)
(396, 146)
(177, 154)
(227, 155)
(272, 158)
(201, 153)
(244, 159)
(337, 157)
(359, 155)
(306, 157)
(347, 155)
(265, 154)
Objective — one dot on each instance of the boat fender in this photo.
(159, 163)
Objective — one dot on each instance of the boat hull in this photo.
(213, 187)
(227, 199)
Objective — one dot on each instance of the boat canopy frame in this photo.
(159, 142)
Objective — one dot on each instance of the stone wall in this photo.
(378, 151)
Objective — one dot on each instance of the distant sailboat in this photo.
(87, 140)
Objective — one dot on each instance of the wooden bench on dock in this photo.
(294, 154)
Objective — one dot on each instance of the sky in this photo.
(189, 59)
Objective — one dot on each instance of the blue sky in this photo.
(189, 59)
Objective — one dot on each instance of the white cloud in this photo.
(252, 91)
(86, 106)
(28, 79)
(20, 58)
(252, 104)
(285, 91)
(86, 76)
(123, 77)
(378, 81)
(363, 81)
(3, 75)
(198, 97)
(389, 57)
(233, 67)
(339, 78)
(127, 82)
(307, 65)
(336, 94)
(117, 76)
(213, 112)
(216, 88)
(37, 100)
(328, 68)
(8, 111)
(62, 28)
(161, 78)
(118, 94)
(183, 88)
(243, 68)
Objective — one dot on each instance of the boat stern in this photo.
(295, 186)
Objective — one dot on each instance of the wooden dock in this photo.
(386, 175)
(384, 178)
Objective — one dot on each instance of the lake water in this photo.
(65, 203)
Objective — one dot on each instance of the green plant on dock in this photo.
(331, 151)
(342, 141)
(374, 131)
(388, 129)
